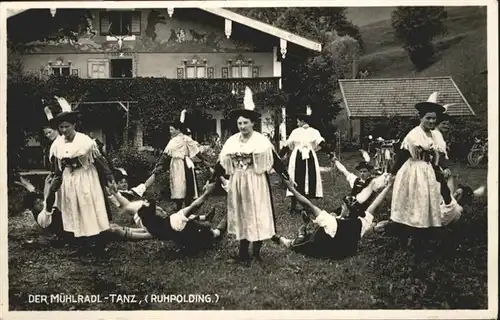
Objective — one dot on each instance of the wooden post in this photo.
(127, 127)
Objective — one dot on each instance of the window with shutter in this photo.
(225, 72)
(190, 72)
(201, 72)
(255, 72)
(105, 21)
(60, 70)
(241, 68)
(180, 73)
(245, 72)
(120, 23)
(210, 72)
(136, 23)
(98, 68)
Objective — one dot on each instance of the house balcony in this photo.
(237, 85)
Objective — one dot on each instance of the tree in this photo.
(313, 79)
(416, 27)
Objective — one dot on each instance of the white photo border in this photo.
(492, 50)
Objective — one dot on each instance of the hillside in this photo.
(461, 52)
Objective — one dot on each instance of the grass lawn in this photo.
(381, 276)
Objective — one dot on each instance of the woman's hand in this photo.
(209, 187)
(290, 184)
(446, 173)
(113, 188)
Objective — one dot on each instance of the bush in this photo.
(422, 56)
(390, 127)
(15, 198)
(139, 166)
(461, 136)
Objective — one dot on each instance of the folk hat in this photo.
(248, 110)
(354, 206)
(180, 123)
(364, 165)
(66, 114)
(120, 174)
(431, 105)
(445, 116)
(305, 116)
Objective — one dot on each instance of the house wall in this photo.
(157, 51)
(158, 33)
(148, 64)
(350, 129)
(158, 46)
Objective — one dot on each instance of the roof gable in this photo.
(266, 28)
(380, 97)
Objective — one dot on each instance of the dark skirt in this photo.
(190, 181)
(300, 174)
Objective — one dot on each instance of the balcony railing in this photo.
(237, 85)
(256, 84)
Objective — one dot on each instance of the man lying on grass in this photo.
(334, 236)
(51, 221)
(184, 228)
(364, 187)
(461, 195)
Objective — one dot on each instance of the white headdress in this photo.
(248, 100)
(308, 110)
(433, 97)
(48, 113)
(183, 116)
(65, 106)
(479, 191)
(446, 106)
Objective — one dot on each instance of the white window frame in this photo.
(52, 67)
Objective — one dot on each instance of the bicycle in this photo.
(384, 153)
(478, 152)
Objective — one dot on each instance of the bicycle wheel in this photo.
(474, 157)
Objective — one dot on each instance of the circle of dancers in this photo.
(83, 188)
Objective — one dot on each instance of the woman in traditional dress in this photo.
(180, 151)
(416, 194)
(303, 167)
(81, 174)
(247, 157)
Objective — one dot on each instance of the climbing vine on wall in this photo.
(159, 100)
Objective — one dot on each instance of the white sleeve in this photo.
(140, 189)
(451, 212)
(113, 200)
(328, 222)
(44, 219)
(351, 178)
(138, 221)
(178, 220)
(366, 222)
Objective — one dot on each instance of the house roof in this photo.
(252, 23)
(380, 97)
(266, 28)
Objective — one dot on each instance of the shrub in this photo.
(139, 166)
